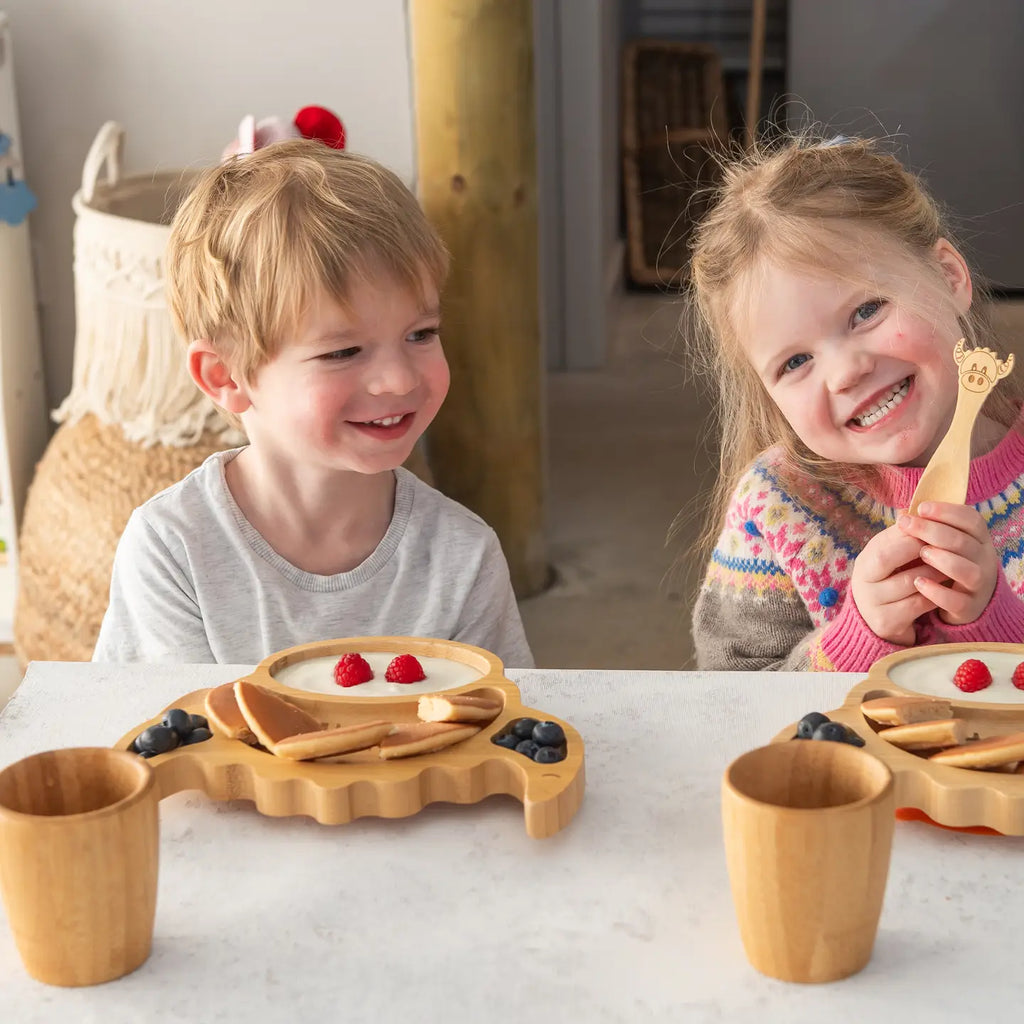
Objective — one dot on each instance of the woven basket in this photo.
(129, 365)
(86, 485)
(673, 124)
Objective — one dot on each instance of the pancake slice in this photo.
(270, 717)
(345, 739)
(424, 737)
(434, 707)
(225, 716)
(946, 732)
(990, 753)
(906, 710)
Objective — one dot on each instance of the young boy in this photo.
(307, 281)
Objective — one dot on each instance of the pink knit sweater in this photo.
(776, 594)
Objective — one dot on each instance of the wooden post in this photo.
(475, 128)
(758, 14)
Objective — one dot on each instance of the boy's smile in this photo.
(356, 385)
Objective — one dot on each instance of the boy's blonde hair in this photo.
(809, 205)
(259, 236)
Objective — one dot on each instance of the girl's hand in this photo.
(955, 542)
(883, 585)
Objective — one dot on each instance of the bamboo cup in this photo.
(808, 830)
(79, 839)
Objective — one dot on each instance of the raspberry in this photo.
(352, 669)
(404, 669)
(972, 675)
(1018, 676)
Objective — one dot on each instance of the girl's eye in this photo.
(866, 311)
(795, 362)
(341, 354)
(424, 335)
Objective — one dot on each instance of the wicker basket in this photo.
(673, 122)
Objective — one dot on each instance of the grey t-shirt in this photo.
(193, 581)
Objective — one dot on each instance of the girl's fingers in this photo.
(885, 553)
(965, 573)
(964, 518)
(912, 607)
(901, 584)
(947, 599)
(939, 535)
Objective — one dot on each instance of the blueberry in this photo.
(810, 722)
(549, 755)
(147, 754)
(548, 734)
(508, 740)
(830, 731)
(527, 748)
(180, 721)
(199, 722)
(196, 736)
(157, 739)
(523, 727)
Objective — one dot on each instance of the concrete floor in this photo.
(625, 456)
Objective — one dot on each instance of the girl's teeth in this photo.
(387, 421)
(866, 419)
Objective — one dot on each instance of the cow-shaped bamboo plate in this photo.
(956, 797)
(363, 784)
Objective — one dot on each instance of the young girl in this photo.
(830, 298)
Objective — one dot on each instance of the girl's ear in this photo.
(958, 276)
(215, 378)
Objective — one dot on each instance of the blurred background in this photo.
(613, 107)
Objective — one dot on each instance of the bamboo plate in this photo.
(362, 784)
(955, 797)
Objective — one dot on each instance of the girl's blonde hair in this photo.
(259, 236)
(811, 205)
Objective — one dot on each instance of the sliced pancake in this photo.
(946, 732)
(435, 707)
(270, 717)
(906, 710)
(990, 753)
(424, 737)
(225, 715)
(346, 739)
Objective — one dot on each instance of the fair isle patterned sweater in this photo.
(776, 594)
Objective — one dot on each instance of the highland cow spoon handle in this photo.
(946, 475)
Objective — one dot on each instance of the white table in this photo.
(456, 915)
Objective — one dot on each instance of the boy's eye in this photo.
(795, 362)
(341, 353)
(866, 311)
(424, 334)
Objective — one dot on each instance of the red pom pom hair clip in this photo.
(309, 123)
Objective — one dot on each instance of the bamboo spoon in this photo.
(946, 475)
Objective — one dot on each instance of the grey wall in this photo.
(946, 79)
(577, 53)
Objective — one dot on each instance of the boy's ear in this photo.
(958, 276)
(215, 378)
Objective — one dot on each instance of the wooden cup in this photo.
(79, 842)
(808, 831)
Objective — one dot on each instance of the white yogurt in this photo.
(933, 676)
(317, 675)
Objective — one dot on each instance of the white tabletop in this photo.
(456, 915)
